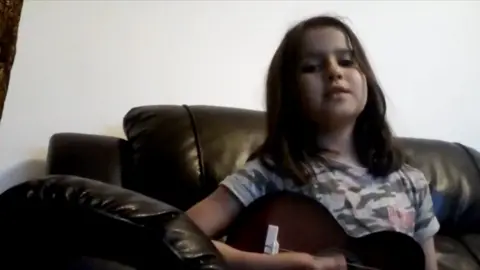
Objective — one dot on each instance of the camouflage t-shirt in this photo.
(361, 203)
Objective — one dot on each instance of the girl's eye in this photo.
(345, 62)
(310, 68)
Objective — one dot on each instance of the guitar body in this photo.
(307, 226)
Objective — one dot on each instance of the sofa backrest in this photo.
(180, 153)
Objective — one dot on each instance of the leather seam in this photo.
(470, 157)
(193, 124)
(477, 168)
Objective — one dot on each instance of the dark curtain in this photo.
(10, 11)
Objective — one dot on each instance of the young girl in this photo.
(328, 138)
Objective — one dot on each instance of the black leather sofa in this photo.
(113, 203)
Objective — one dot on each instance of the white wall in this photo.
(82, 64)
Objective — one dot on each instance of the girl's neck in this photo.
(340, 144)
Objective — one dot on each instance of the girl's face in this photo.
(332, 87)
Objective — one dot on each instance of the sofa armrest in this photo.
(76, 216)
(103, 158)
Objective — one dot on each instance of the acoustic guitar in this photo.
(305, 225)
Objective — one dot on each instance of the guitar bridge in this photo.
(271, 244)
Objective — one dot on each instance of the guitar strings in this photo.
(358, 266)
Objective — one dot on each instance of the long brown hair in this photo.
(291, 139)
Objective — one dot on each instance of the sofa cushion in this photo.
(452, 255)
(103, 158)
(455, 181)
(182, 152)
(472, 242)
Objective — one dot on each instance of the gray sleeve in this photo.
(252, 182)
(426, 223)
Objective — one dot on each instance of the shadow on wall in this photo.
(21, 172)
(115, 131)
(33, 167)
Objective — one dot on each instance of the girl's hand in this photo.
(304, 261)
(332, 262)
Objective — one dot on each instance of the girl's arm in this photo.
(430, 254)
